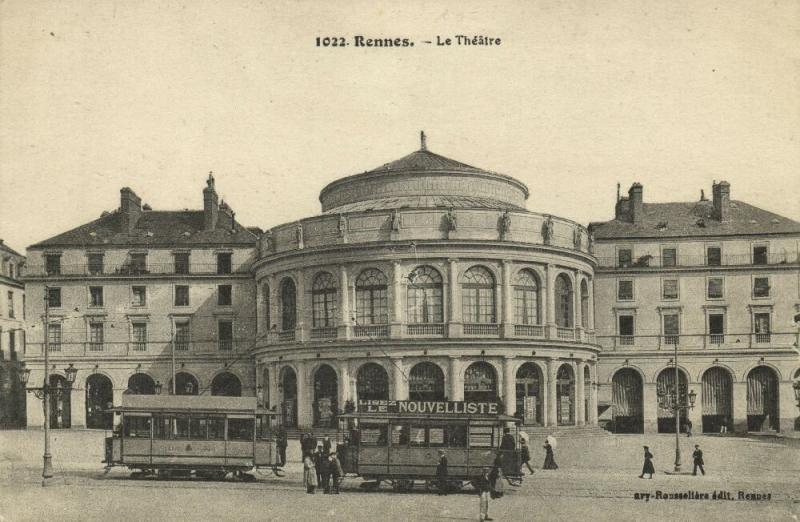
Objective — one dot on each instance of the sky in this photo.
(579, 96)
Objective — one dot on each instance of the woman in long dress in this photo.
(648, 464)
(309, 474)
(549, 460)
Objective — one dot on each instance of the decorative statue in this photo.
(299, 235)
(395, 220)
(505, 223)
(577, 238)
(547, 229)
(450, 219)
(591, 242)
(266, 242)
(342, 225)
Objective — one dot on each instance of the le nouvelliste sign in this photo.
(429, 407)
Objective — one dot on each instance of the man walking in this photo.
(281, 442)
(441, 473)
(698, 460)
(485, 487)
(688, 428)
(336, 472)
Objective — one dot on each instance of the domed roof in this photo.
(423, 179)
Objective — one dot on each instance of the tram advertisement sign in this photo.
(428, 407)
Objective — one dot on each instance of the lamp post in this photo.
(672, 401)
(44, 393)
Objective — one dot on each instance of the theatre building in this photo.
(715, 283)
(134, 296)
(427, 279)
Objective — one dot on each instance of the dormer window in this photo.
(624, 257)
(224, 263)
(760, 255)
(53, 264)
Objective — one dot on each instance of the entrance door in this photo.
(289, 397)
(529, 396)
(627, 399)
(326, 390)
(99, 401)
(665, 385)
(762, 400)
(717, 400)
(60, 403)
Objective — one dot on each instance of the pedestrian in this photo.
(335, 470)
(326, 446)
(323, 470)
(508, 440)
(698, 460)
(525, 455)
(496, 479)
(723, 427)
(317, 457)
(281, 441)
(485, 488)
(549, 459)
(648, 463)
(441, 473)
(688, 428)
(309, 474)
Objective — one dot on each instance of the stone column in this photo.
(397, 308)
(552, 410)
(580, 393)
(455, 327)
(740, 407)
(399, 383)
(576, 304)
(593, 395)
(509, 385)
(274, 308)
(650, 407)
(273, 397)
(787, 406)
(77, 403)
(303, 328)
(343, 329)
(455, 380)
(305, 415)
(590, 322)
(507, 309)
(550, 309)
(345, 391)
(117, 401)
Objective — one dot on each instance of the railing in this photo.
(716, 338)
(425, 329)
(762, 337)
(84, 269)
(565, 333)
(374, 330)
(286, 336)
(225, 345)
(528, 330)
(326, 332)
(648, 261)
(95, 347)
(139, 346)
(481, 329)
(626, 340)
(672, 339)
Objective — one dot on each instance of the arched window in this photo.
(563, 301)
(267, 312)
(424, 296)
(480, 382)
(477, 298)
(371, 301)
(372, 382)
(141, 384)
(526, 298)
(426, 382)
(288, 305)
(584, 304)
(227, 385)
(323, 300)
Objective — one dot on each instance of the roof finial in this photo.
(618, 187)
(422, 144)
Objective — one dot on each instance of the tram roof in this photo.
(190, 404)
(431, 416)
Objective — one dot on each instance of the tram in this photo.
(398, 442)
(184, 435)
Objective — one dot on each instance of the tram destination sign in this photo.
(429, 407)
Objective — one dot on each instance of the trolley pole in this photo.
(47, 464)
(677, 415)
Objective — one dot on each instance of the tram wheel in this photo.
(403, 485)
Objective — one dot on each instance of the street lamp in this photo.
(669, 399)
(44, 394)
(157, 387)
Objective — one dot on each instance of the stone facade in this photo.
(12, 337)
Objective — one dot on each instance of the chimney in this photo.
(225, 216)
(635, 205)
(130, 206)
(210, 204)
(722, 200)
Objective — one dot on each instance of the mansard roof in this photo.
(152, 229)
(695, 219)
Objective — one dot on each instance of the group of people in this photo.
(649, 469)
(321, 466)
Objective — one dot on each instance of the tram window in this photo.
(137, 427)
(457, 436)
(262, 427)
(480, 436)
(373, 435)
(197, 428)
(161, 427)
(436, 436)
(399, 435)
(417, 436)
(182, 428)
(240, 429)
(216, 428)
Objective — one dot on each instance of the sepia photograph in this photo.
(399, 260)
